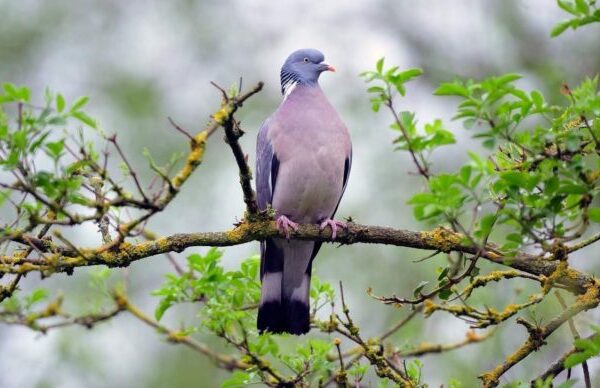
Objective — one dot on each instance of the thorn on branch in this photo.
(183, 131)
(224, 94)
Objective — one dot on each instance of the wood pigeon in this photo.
(303, 161)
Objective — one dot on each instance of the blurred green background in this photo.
(141, 61)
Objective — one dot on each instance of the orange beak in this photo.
(329, 67)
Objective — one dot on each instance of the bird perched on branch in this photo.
(303, 161)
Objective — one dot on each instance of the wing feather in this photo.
(347, 167)
(267, 168)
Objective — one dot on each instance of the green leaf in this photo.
(24, 94)
(568, 6)
(537, 98)
(11, 90)
(375, 89)
(79, 103)
(379, 64)
(594, 214)
(570, 188)
(443, 273)
(575, 359)
(445, 293)
(36, 296)
(55, 149)
(21, 94)
(422, 199)
(402, 77)
(19, 140)
(60, 103)
(520, 179)
(507, 78)
(560, 28)
(84, 118)
(4, 195)
(162, 307)
(455, 88)
(419, 288)
(237, 379)
(515, 237)
(485, 225)
(38, 142)
(413, 370)
(465, 174)
(409, 74)
(582, 7)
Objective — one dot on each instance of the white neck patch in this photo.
(288, 88)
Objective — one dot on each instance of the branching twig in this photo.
(559, 365)
(538, 335)
(575, 333)
(130, 170)
(232, 133)
(222, 360)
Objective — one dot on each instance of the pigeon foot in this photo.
(333, 224)
(284, 225)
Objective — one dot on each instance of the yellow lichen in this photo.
(176, 337)
(201, 137)
(162, 244)
(562, 270)
(573, 123)
(511, 309)
(472, 336)
(493, 276)
(591, 296)
(193, 159)
(238, 232)
(442, 238)
(222, 114)
(429, 307)
(27, 267)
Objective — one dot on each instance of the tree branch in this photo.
(538, 335)
(222, 360)
(232, 133)
(559, 365)
(442, 239)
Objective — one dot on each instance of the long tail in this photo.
(285, 274)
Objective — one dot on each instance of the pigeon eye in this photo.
(306, 60)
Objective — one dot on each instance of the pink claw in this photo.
(333, 224)
(284, 224)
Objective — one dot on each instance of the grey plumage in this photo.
(302, 167)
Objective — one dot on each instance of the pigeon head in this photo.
(303, 67)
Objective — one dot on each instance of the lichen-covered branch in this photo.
(538, 335)
(222, 360)
(426, 348)
(559, 365)
(59, 258)
(53, 316)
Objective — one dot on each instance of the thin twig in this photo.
(559, 365)
(575, 333)
(113, 140)
(537, 335)
(177, 127)
(222, 360)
